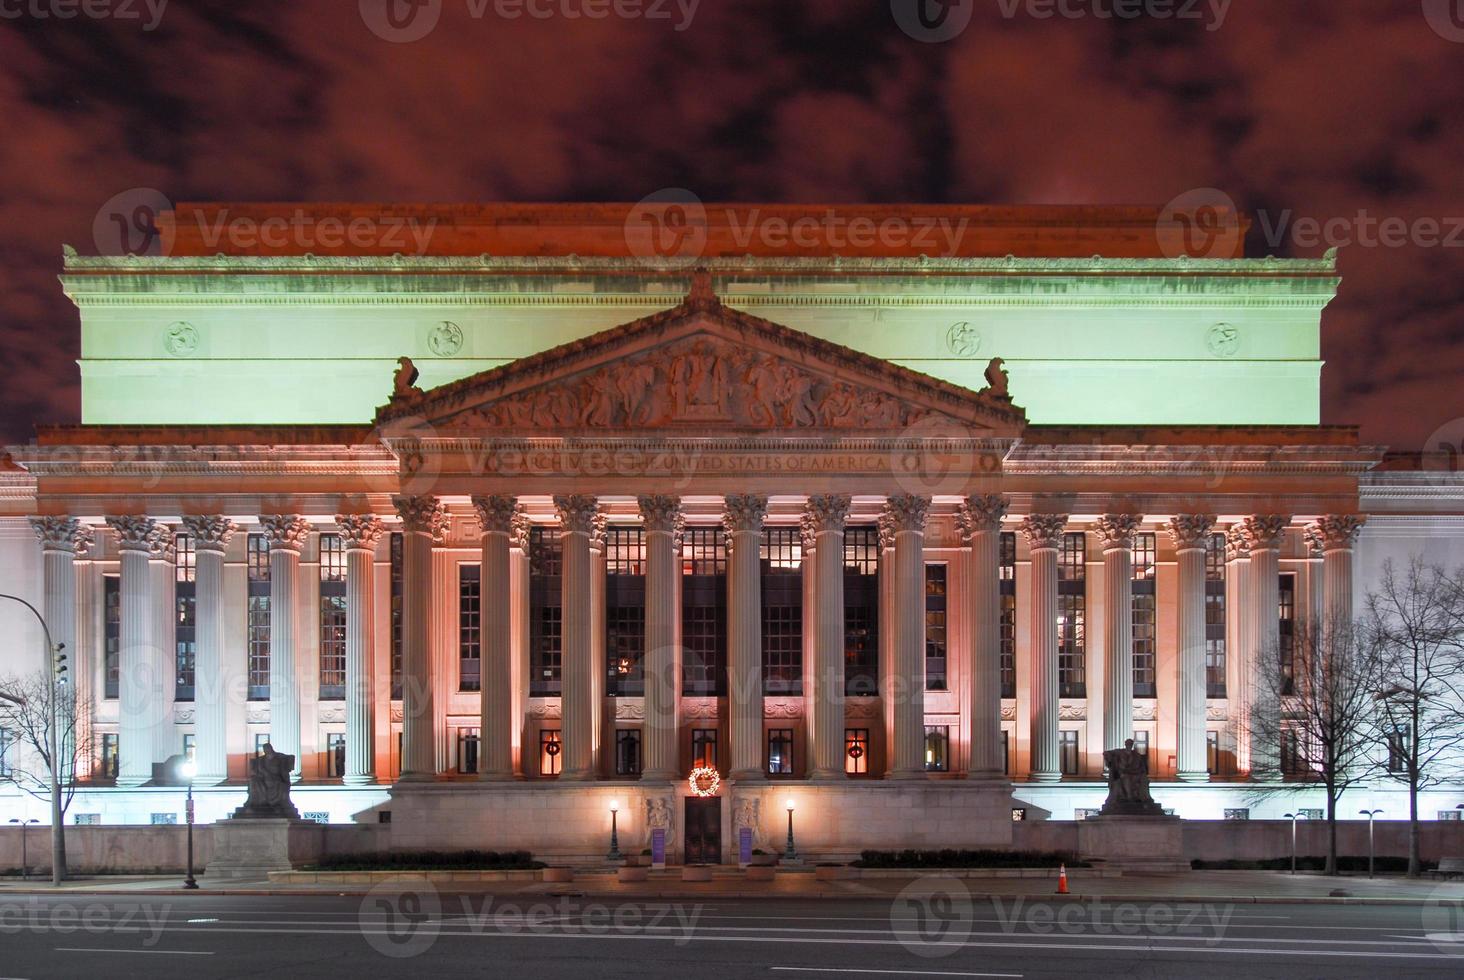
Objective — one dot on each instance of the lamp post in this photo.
(189, 769)
(790, 853)
(57, 661)
(1293, 817)
(24, 856)
(614, 854)
(1369, 814)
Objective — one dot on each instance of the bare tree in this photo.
(1417, 622)
(1314, 717)
(29, 706)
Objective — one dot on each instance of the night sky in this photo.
(1328, 109)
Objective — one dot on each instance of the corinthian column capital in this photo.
(134, 533)
(660, 513)
(1236, 547)
(826, 512)
(164, 544)
(1116, 531)
(286, 532)
(1190, 530)
(1264, 531)
(981, 512)
(209, 533)
(907, 512)
(578, 513)
(62, 534)
(1044, 530)
(1336, 531)
(422, 515)
(360, 531)
(497, 513)
(744, 512)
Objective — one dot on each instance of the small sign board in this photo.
(744, 846)
(658, 847)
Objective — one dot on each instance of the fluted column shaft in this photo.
(135, 658)
(286, 537)
(661, 516)
(1337, 534)
(905, 516)
(1240, 657)
(742, 524)
(1190, 532)
(164, 675)
(211, 536)
(423, 519)
(823, 675)
(979, 519)
(360, 532)
(1116, 533)
(577, 517)
(1044, 535)
(1263, 536)
(496, 517)
(61, 539)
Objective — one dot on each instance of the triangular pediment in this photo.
(700, 367)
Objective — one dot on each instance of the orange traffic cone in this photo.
(1062, 888)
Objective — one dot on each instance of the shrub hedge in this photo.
(949, 858)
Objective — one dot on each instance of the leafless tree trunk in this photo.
(32, 704)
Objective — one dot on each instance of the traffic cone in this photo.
(1062, 888)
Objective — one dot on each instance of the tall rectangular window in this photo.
(185, 625)
(109, 756)
(1007, 581)
(935, 627)
(704, 748)
(1144, 610)
(6, 741)
(1141, 744)
(625, 611)
(396, 551)
(1291, 757)
(332, 617)
(1215, 616)
(111, 633)
(1071, 614)
(704, 612)
(780, 752)
(861, 611)
(1287, 612)
(335, 755)
(937, 748)
(627, 752)
(545, 616)
(856, 751)
(470, 633)
(468, 743)
(1212, 753)
(257, 624)
(1067, 752)
(551, 749)
(1006, 752)
(782, 626)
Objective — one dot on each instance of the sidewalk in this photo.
(1196, 886)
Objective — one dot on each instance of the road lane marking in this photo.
(153, 952)
(903, 973)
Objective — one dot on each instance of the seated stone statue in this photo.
(269, 786)
(1128, 783)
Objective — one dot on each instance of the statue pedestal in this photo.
(1133, 843)
(252, 847)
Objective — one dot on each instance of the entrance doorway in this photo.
(703, 830)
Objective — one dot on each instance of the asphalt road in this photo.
(927, 932)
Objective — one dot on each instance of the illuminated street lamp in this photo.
(790, 853)
(24, 857)
(614, 854)
(1293, 817)
(189, 770)
(1369, 814)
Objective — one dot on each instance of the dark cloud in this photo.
(1318, 109)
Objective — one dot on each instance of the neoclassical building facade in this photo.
(614, 519)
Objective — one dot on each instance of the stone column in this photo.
(211, 536)
(286, 534)
(905, 516)
(598, 664)
(1337, 534)
(577, 518)
(163, 567)
(1044, 537)
(1116, 534)
(496, 516)
(1238, 655)
(1263, 536)
(1190, 532)
(62, 538)
(662, 518)
(979, 520)
(823, 676)
(135, 658)
(519, 613)
(423, 520)
(359, 534)
(742, 523)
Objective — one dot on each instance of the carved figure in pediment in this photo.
(598, 399)
(404, 382)
(796, 390)
(880, 411)
(996, 379)
(763, 384)
(840, 408)
(633, 385)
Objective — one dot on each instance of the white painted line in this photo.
(903, 973)
(157, 952)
